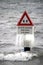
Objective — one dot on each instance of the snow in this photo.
(20, 56)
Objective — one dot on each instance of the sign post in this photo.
(25, 27)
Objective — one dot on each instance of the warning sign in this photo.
(25, 24)
(25, 20)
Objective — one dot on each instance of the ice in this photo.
(19, 39)
(30, 39)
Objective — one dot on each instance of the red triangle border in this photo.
(19, 23)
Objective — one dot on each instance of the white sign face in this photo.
(24, 30)
(25, 20)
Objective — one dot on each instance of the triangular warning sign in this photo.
(25, 20)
